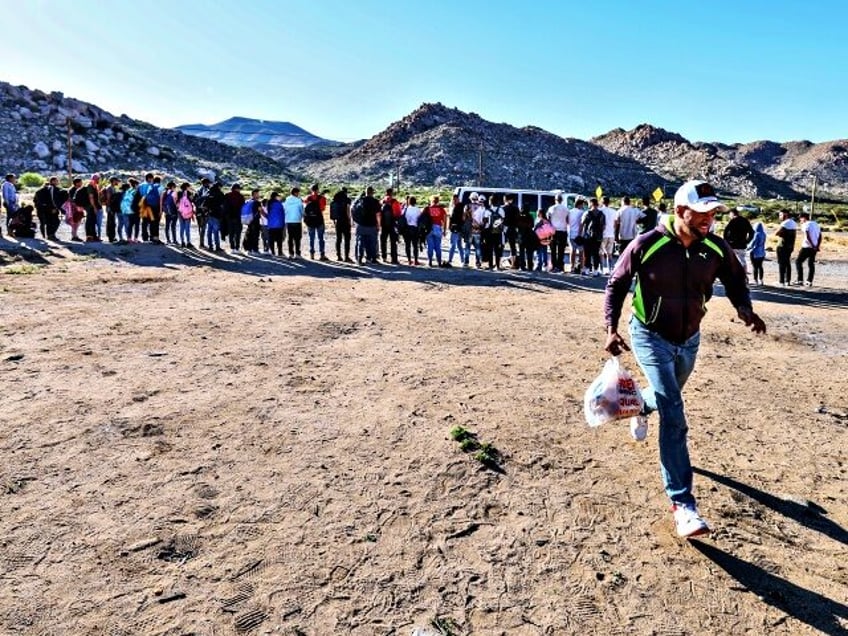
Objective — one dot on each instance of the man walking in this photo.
(675, 266)
(810, 245)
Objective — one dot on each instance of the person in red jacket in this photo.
(675, 266)
(313, 216)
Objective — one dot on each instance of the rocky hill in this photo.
(433, 145)
(254, 133)
(758, 169)
(439, 145)
(34, 130)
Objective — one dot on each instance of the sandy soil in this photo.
(231, 445)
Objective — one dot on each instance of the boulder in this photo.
(41, 150)
(58, 146)
(153, 151)
(78, 166)
(91, 146)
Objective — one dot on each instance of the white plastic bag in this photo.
(614, 395)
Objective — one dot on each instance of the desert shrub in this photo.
(31, 180)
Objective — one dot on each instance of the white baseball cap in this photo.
(699, 196)
(474, 196)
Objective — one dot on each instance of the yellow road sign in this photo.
(658, 195)
(599, 192)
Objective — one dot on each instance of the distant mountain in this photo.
(259, 134)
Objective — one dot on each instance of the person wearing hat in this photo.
(675, 266)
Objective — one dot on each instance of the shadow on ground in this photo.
(817, 611)
(39, 252)
(808, 514)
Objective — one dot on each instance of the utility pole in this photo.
(813, 199)
(398, 173)
(70, 152)
(480, 166)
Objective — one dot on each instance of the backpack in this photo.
(247, 212)
(135, 203)
(496, 222)
(425, 222)
(312, 213)
(106, 196)
(170, 205)
(127, 201)
(184, 206)
(152, 197)
(336, 212)
(116, 201)
(387, 215)
(358, 209)
(593, 226)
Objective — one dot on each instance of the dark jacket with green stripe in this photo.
(673, 283)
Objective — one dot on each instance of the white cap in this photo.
(474, 196)
(698, 196)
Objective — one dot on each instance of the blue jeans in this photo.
(456, 245)
(434, 244)
(185, 230)
(667, 367)
(312, 232)
(123, 226)
(213, 231)
(541, 258)
(475, 245)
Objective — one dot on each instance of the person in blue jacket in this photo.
(757, 251)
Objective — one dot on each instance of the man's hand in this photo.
(615, 344)
(752, 320)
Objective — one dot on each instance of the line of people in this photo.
(588, 236)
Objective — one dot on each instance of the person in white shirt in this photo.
(626, 220)
(293, 206)
(810, 245)
(478, 210)
(575, 240)
(608, 240)
(410, 234)
(558, 216)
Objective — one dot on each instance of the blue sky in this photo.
(345, 69)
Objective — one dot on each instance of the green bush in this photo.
(31, 180)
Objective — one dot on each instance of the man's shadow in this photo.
(810, 516)
(817, 611)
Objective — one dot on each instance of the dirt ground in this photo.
(241, 445)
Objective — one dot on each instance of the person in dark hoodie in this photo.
(785, 246)
(233, 202)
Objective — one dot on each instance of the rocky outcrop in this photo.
(36, 128)
(436, 145)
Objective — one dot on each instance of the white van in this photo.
(534, 199)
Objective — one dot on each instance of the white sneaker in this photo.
(639, 427)
(688, 522)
